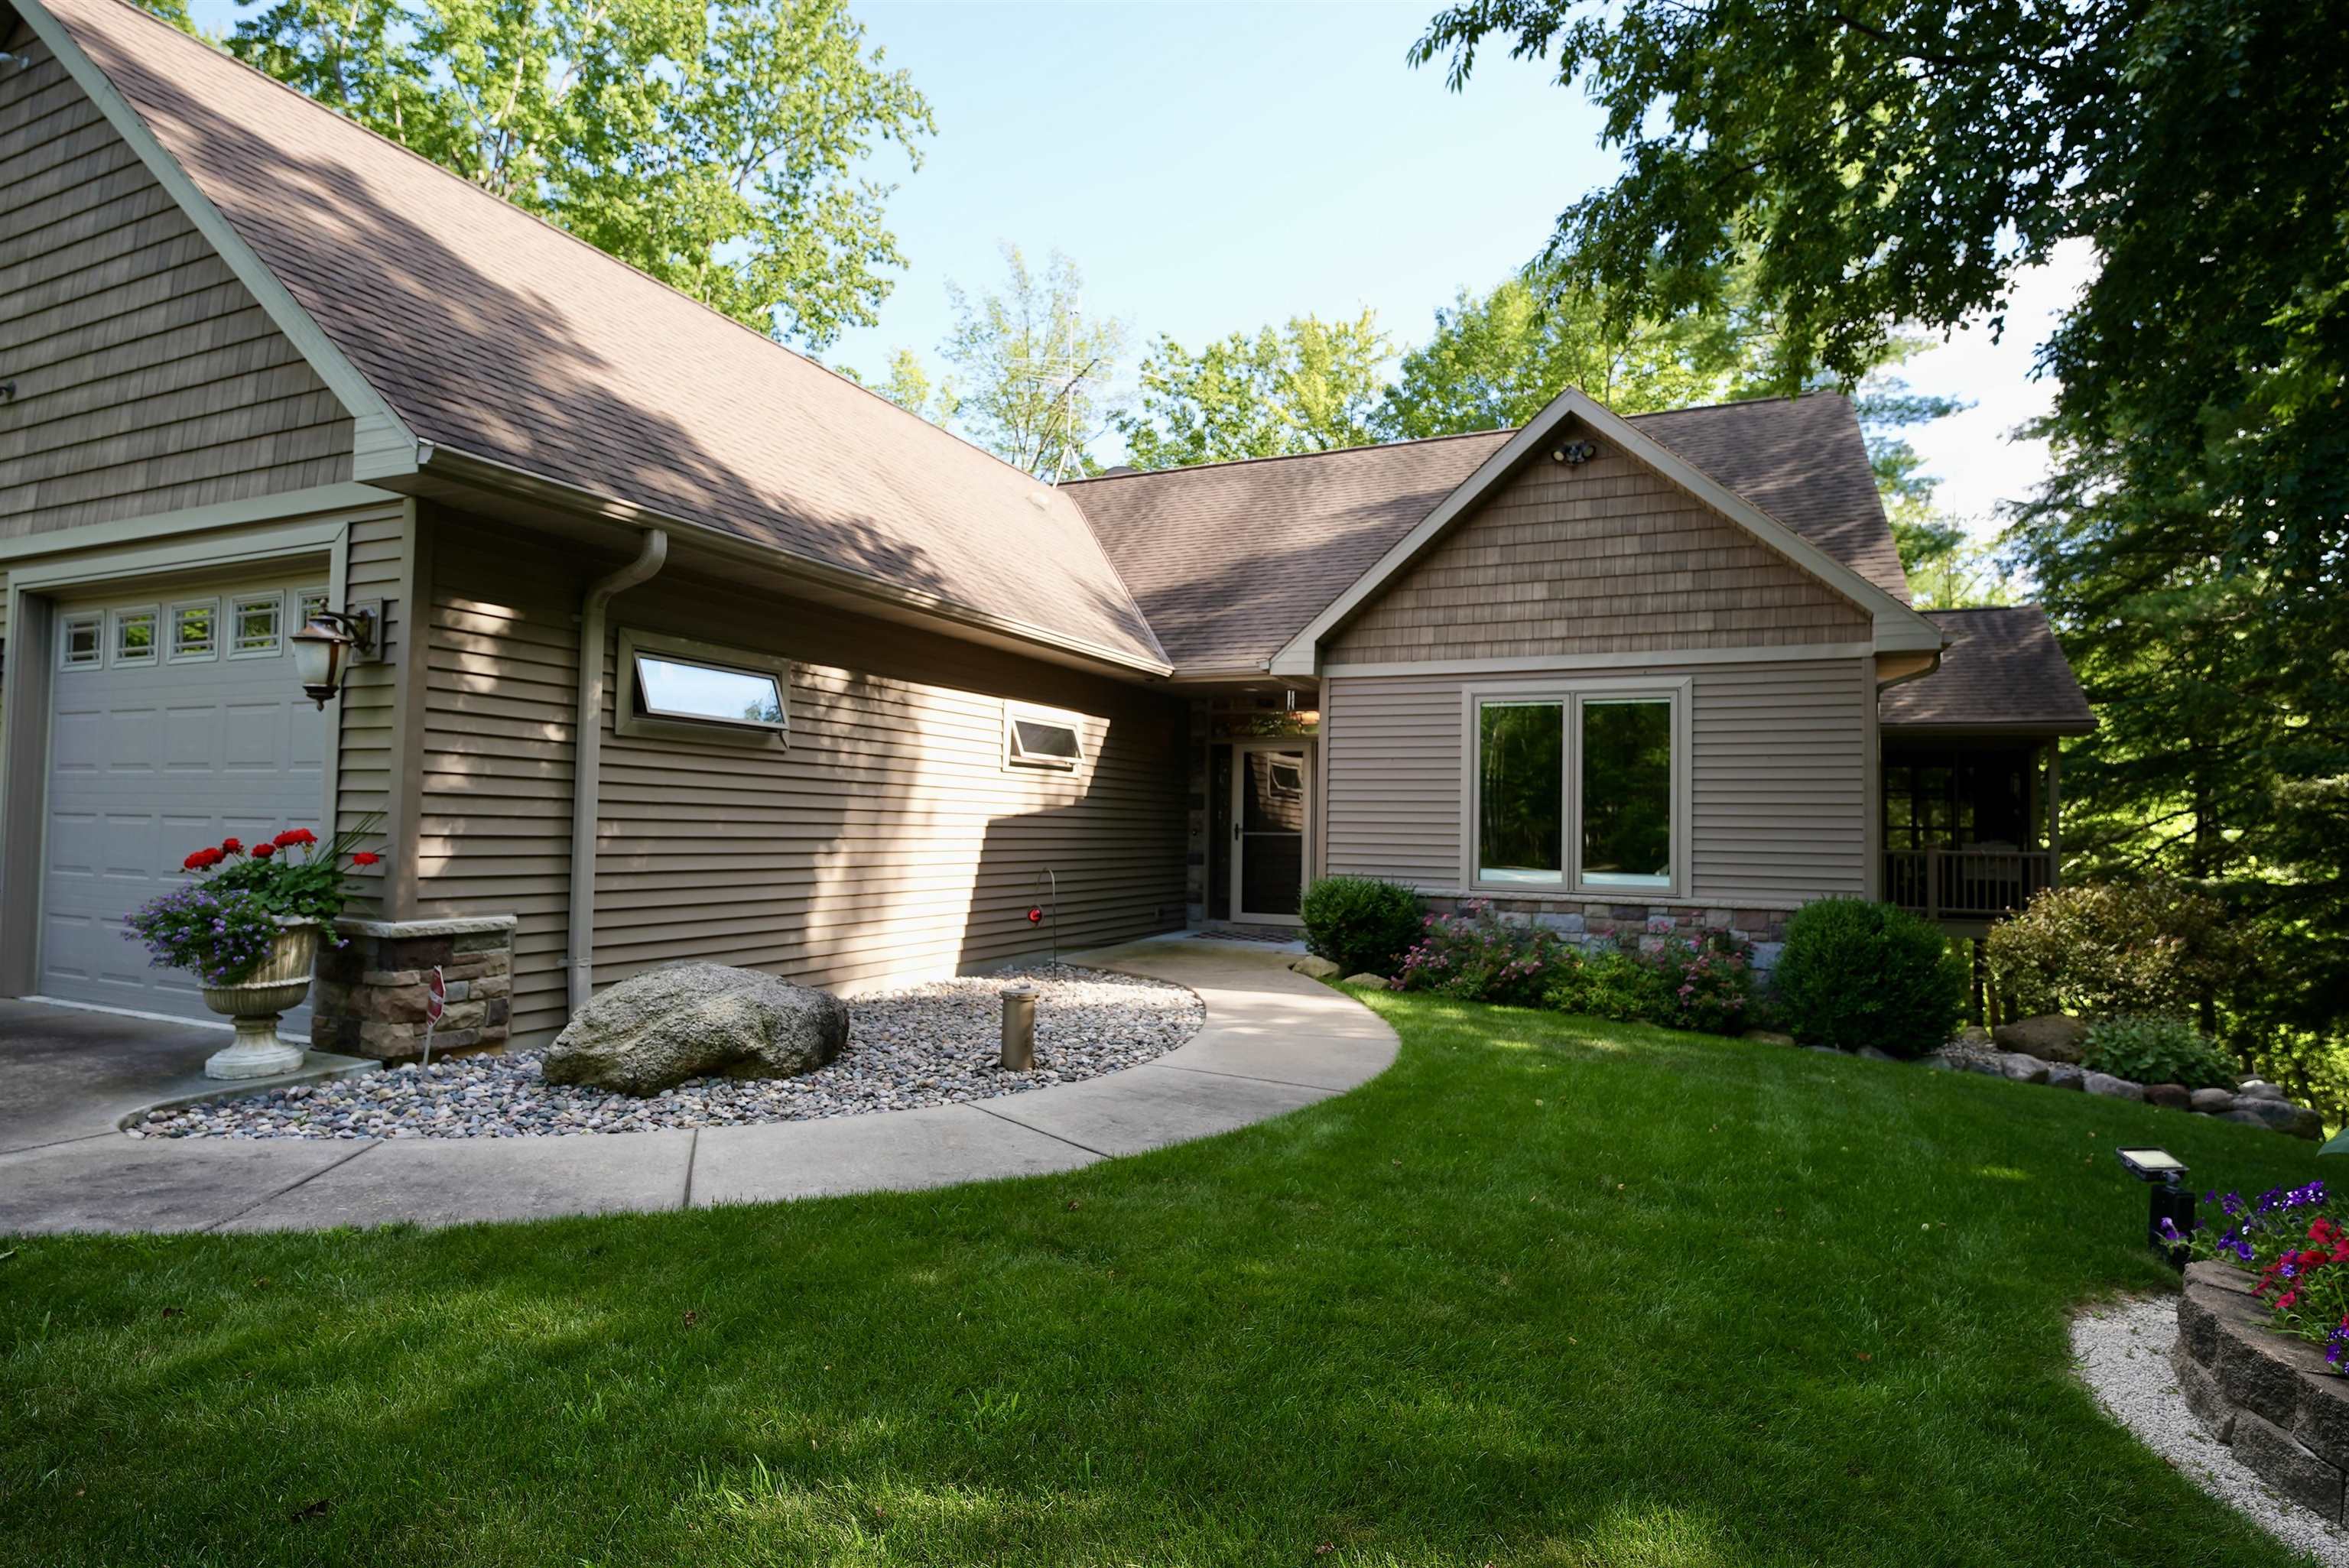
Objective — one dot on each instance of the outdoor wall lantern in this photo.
(329, 644)
(2168, 1202)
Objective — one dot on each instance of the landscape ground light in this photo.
(2166, 1199)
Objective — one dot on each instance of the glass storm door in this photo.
(1271, 791)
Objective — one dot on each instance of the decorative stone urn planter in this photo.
(278, 984)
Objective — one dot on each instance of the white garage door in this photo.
(175, 722)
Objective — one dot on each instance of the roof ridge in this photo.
(553, 228)
(1291, 457)
(1806, 393)
(1983, 609)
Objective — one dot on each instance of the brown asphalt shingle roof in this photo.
(1230, 560)
(2003, 668)
(495, 335)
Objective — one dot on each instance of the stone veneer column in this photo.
(369, 996)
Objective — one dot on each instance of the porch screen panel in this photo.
(1626, 793)
(1520, 792)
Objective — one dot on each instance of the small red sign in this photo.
(436, 996)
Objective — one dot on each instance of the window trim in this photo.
(234, 634)
(1013, 759)
(116, 659)
(96, 620)
(1572, 694)
(171, 654)
(631, 719)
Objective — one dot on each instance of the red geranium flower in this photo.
(262, 851)
(294, 836)
(231, 847)
(365, 858)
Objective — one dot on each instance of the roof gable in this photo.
(1230, 560)
(1602, 555)
(482, 331)
(1895, 626)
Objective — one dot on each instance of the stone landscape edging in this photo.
(2268, 1396)
(2020, 1066)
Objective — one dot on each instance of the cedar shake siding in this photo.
(890, 842)
(148, 379)
(1780, 752)
(1605, 558)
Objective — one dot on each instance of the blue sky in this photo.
(1214, 167)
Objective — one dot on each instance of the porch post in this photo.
(2055, 811)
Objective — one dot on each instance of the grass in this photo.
(1550, 1291)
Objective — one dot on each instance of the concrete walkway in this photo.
(1274, 1042)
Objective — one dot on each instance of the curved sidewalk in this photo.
(1274, 1042)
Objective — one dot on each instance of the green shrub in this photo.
(2156, 1050)
(1857, 974)
(1705, 986)
(1361, 923)
(1610, 984)
(2101, 950)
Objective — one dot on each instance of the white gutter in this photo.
(587, 752)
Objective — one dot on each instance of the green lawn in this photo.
(1548, 1292)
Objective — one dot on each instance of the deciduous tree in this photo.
(719, 145)
(1308, 386)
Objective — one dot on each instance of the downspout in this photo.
(587, 752)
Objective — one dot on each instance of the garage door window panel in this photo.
(81, 642)
(195, 631)
(257, 626)
(133, 639)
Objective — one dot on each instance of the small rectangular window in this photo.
(81, 642)
(671, 687)
(134, 637)
(195, 631)
(1626, 793)
(1042, 740)
(1521, 792)
(256, 625)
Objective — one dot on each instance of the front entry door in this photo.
(1272, 791)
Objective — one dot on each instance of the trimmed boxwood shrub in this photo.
(1360, 922)
(2156, 1050)
(1857, 974)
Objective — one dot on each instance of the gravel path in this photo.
(2122, 1354)
(932, 1045)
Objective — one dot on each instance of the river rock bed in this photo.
(929, 1045)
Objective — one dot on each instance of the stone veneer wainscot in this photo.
(2269, 1397)
(1643, 926)
(369, 996)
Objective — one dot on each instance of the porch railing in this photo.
(1965, 885)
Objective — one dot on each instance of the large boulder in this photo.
(1314, 968)
(660, 1029)
(2050, 1036)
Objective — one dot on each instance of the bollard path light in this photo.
(2168, 1202)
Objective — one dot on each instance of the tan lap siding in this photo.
(1778, 760)
(1608, 557)
(889, 843)
(363, 768)
(148, 378)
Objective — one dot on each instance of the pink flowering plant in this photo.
(2298, 1251)
(222, 927)
(1478, 957)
